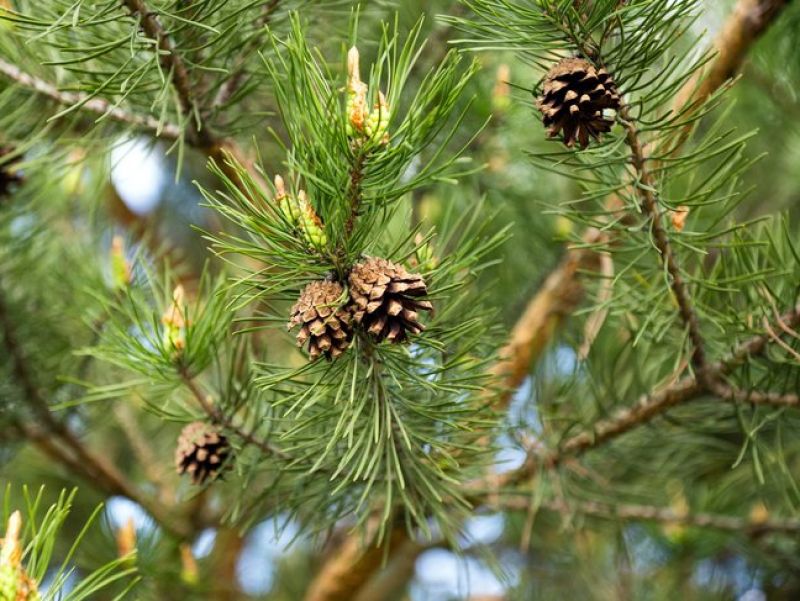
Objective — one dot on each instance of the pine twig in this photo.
(213, 412)
(748, 21)
(343, 575)
(167, 131)
(662, 515)
(60, 443)
(645, 186)
(172, 63)
(708, 381)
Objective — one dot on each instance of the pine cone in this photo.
(386, 299)
(324, 320)
(201, 452)
(8, 178)
(573, 97)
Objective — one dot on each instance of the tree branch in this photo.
(172, 63)
(562, 289)
(168, 131)
(213, 412)
(645, 186)
(546, 310)
(709, 381)
(60, 443)
(663, 515)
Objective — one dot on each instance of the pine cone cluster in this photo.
(387, 299)
(573, 98)
(384, 299)
(8, 177)
(323, 318)
(201, 452)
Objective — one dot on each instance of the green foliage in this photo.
(41, 531)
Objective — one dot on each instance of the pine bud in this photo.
(121, 275)
(759, 514)
(15, 584)
(361, 122)
(356, 95)
(678, 217)
(501, 94)
(174, 320)
(300, 214)
(377, 124)
(126, 539)
(424, 257)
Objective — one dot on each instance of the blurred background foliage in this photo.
(84, 185)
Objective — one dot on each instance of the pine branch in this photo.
(58, 441)
(172, 63)
(167, 131)
(546, 310)
(562, 291)
(213, 412)
(662, 515)
(645, 186)
(708, 381)
(354, 193)
(749, 20)
(756, 397)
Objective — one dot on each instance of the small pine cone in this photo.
(323, 319)
(386, 299)
(573, 97)
(8, 177)
(201, 452)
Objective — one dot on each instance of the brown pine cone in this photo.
(324, 319)
(386, 299)
(201, 452)
(573, 97)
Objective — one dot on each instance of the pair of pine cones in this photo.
(574, 95)
(384, 299)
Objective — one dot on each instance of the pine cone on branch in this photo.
(387, 299)
(201, 452)
(325, 322)
(573, 98)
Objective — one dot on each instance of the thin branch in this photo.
(663, 515)
(546, 311)
(58, 441)
(647, 408)
(757, 397)
(172, 63)
(212, 411)
(346, 571)
(354, 193)
(645, 186)
(168, 131)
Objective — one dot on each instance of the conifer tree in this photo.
(393, 251)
